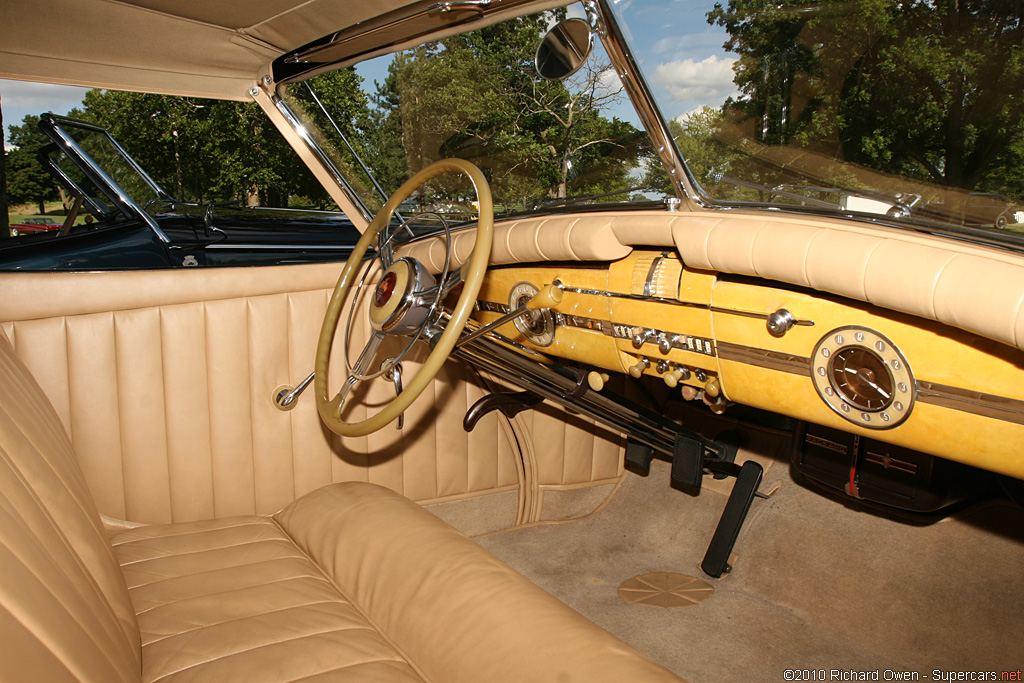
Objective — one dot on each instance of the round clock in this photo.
(537, 326)
(863, 377)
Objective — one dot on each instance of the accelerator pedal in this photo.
(748, 479)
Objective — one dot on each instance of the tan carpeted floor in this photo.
(816, 584)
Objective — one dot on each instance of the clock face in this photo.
(538, 327)
(863, 377)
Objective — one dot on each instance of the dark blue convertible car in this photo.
(131, 222)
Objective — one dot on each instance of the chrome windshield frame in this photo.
(604, 25)
(640, 96)
(98, 176)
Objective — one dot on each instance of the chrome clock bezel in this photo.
(895, 411)
(540, 331)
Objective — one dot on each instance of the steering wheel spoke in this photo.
(404, 302)
(362, 367)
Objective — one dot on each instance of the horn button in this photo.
(396, 307)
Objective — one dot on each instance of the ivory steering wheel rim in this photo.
(472, 278)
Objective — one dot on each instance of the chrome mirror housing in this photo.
(564, 49)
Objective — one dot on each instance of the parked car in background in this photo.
(131, 222)
(34, 225)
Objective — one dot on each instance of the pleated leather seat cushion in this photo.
(236, 599)
(65, 614)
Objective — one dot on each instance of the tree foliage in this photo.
(921, 89)
(475, 96)
(27, 182)
(204, 150)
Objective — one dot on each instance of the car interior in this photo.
(683, 437)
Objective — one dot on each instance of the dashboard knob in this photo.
(713, 388)
(597, 380)
(639, 337)
(637, 370)
(676, 375)
(780, 322)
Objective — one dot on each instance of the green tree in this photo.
(475, 96)
(212, 150)
(5, 224)
(26, 179)
(927, 89)
(699, 135)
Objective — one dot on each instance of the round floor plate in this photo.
(665, 589)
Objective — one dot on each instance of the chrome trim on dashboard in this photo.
(763, 358)
(968, 401)
(672, 302)
(674, 340)
(755, 314)
(632, 297)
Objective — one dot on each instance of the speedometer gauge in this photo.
(537, 326)
(863, 377)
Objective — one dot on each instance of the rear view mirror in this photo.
(564, 49)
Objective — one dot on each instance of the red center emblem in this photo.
(385, 289)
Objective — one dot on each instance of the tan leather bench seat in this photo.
(349, 583)
(218, 598)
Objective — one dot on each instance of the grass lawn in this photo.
(55, 210)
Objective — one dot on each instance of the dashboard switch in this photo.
(637, 370)
(597, 380)
(678, 374)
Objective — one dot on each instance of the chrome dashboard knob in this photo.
(780, 322)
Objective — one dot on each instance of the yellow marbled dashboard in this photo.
(912, 382)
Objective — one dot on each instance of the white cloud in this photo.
(708, 80)
(41, 96)
(608, 82)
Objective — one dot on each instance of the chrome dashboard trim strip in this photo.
(968, 401)
(678, 340)
(763, 358)
(671, 302)
(630, 297)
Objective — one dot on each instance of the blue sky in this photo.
(19, 99)
(680, 54)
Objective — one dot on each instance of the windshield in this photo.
(476, 96)
(902, 112)
(905, 110)
(107, 155)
